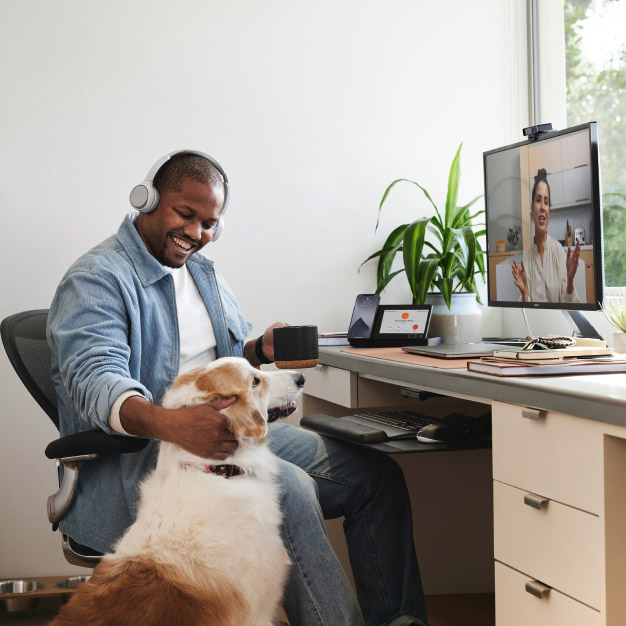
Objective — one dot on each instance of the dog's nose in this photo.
(300, 381)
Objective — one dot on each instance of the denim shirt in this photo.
(113, 327)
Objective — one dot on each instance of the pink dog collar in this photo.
(226, 471)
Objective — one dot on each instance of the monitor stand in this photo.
(577, 319)
(581, 325)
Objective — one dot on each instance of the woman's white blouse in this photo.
(547, 281)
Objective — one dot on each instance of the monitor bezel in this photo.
(598, 256)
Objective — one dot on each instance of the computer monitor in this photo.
(562, 169)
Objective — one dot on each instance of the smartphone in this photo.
(363, 316)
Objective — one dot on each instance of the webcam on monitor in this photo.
(533, 132)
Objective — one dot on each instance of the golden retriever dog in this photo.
(205, 548)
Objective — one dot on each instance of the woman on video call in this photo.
(546, 273)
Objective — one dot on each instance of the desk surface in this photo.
(599, 397)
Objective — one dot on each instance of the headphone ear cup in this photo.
(144, 197)
(218, 230)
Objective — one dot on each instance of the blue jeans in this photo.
(368, 489)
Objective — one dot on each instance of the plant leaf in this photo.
(412, 247)
(392, 245)
(427, 272)
(445, 286)
(387, 280)
(472, 203)
(615, 312)
(480, 259)
(453, 188)
(467, 252)
(391, 186)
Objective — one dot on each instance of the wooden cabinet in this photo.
(522, 600)
(576, 186)
(567, 164)
(587, 257)
(565, 153)
(575, 150)
(550, 454)
(494, 259)
(550, 541)
(545, 155)
(547, 470)
(551, 527)
(555, 182)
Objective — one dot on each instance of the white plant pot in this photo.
(619, 342)
(461, 323)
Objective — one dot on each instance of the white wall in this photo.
(311, 107)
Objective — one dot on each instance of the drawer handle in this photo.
(537, 502)
(535, 588)
(533, 414)
(319, 367)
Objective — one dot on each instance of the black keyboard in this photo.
(405, 420)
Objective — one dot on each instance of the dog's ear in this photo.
(246, 421)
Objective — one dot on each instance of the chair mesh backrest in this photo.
(24, 338)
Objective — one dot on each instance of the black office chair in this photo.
(24, 339)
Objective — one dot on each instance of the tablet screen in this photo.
(401, 321)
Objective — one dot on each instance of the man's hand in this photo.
(267, 345)
(268, 339)
(201, 430)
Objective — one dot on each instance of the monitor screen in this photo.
(544, 221)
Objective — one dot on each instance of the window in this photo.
(594, 89)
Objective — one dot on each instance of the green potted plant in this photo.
(615, 312)
(448, 261)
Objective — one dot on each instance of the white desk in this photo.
(559, 479)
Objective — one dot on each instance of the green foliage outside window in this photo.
(596, 91)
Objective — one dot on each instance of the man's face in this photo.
(183, 222)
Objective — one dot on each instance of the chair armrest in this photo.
(94, 442)
(71, 451)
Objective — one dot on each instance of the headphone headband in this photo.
(145, 196)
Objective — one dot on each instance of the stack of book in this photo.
(577, 359)
(564, 367)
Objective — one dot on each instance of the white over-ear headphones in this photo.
(145, 196)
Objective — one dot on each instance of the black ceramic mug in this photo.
(295, 347)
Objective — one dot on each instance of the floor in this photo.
(466, 610)
(477, 609)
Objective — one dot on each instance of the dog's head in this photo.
(261, 395)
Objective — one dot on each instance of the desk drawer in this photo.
(516, 606)
(557, 544)
(332, 384)
(557, 456)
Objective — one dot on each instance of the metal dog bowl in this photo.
(71, 583)
(22, 587)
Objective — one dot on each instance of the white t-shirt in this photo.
(195, 330)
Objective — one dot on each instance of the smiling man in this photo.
(188, 211)
(144, 306)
